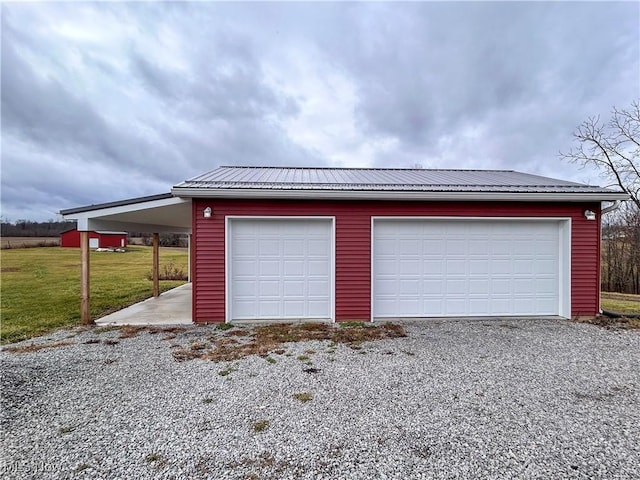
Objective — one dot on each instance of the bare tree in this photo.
(613, 148)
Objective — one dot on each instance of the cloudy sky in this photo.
(107, 101)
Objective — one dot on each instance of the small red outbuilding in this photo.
(71, 238)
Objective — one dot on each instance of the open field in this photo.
(41, 286)
(620, 302)
(25, 242)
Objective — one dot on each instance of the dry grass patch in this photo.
(225, 352)
(265, 464)
(266, 339)
(108, 328)
(237, 333)
(199, 346)
(130, 331)
(182, 354)
(622, 323)
(157, 460)
(260, 426)
(357, 335)
(169, 329)
(303, 396)
(66, 429)
(35, 347)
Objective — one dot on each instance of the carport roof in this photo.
(155, 213)
(436, 184)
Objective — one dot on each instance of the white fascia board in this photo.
(397, 195)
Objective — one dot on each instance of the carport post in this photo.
(156, 265)
(189, 257)
(85, 317)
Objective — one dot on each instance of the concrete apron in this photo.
(172, 307)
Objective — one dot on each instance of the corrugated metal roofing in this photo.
(381, 179)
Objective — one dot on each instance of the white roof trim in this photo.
(399, 195)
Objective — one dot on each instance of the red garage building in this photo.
(71, 238)
(365, 244)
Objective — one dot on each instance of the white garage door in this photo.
(445, 267)
(280, 268)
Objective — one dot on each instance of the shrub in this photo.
(169, 272)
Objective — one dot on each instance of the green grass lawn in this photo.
(40, 287)
(620, 302)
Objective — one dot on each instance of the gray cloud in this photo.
(107, 101)
(427, 71)
(45, 113)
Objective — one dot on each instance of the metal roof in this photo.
(382, 180)
(120, 203)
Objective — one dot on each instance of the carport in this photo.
(153, 214)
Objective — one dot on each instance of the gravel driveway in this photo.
(497, 398)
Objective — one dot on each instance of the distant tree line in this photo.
(28, 228)
(165, 239)
(620, 251)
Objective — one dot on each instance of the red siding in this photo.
(207, 266)
(353, 265)
(585, 263)
(353, 241)
(71, 238)
(112, 240)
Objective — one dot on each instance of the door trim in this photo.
(228, 221)
(564, 253)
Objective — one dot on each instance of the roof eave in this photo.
(399, 195)
(119, 203)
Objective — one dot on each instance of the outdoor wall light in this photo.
(207, 212)
(589, 214)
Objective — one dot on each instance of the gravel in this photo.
(494, 398)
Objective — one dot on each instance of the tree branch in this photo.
(613, 148)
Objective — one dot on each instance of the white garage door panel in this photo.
(280, 268)
(426, 268)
